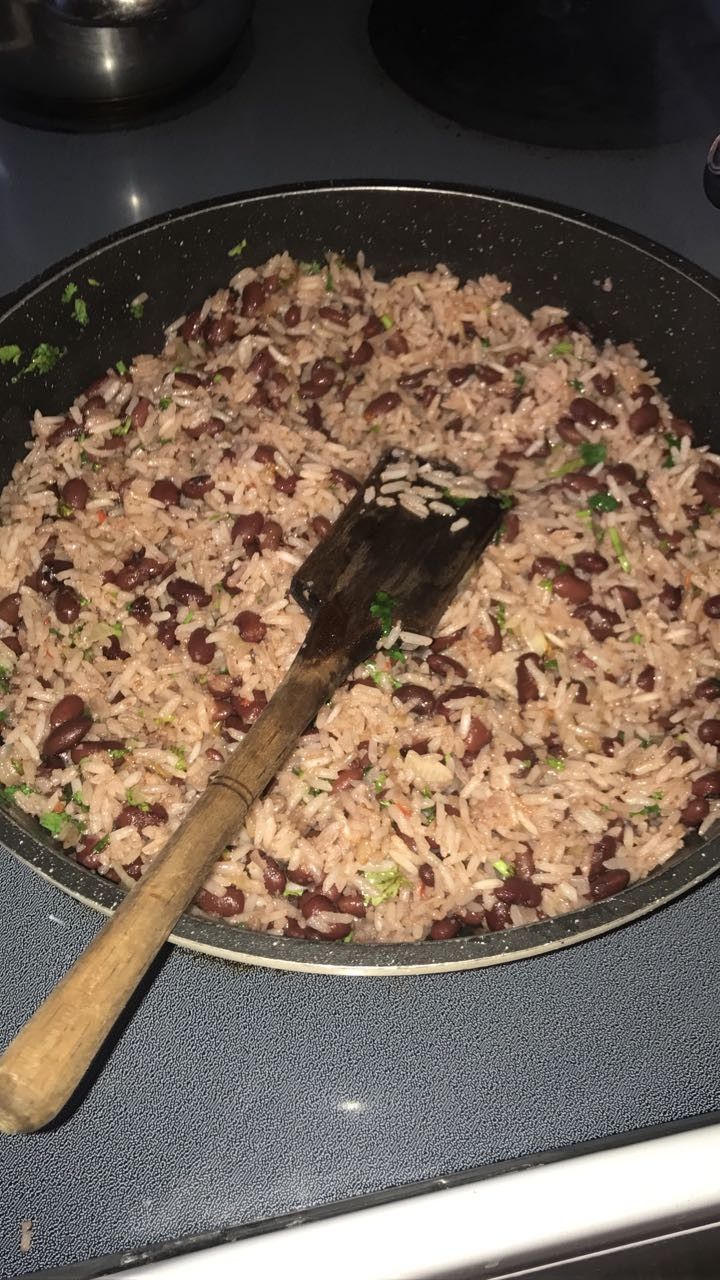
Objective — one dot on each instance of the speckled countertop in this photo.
(231, 1094)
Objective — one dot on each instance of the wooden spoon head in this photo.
(413, 531)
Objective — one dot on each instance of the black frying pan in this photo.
(552, 255)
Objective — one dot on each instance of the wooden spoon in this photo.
(372, 548)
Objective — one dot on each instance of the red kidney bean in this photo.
(558, 330)
(320, 526)
(248, 527)
(335, 315)
(138, 417)
(293, 315)
(441, 643)
(274, 877)
(605, 848)
(456, 692)
(569, 587)
(510, 527)
(265, 453)
(199, 648)
(262, 364)
(604, 383)
(191, 326)
(426, 875)
(441, 665)
(12, 643)
(708, 689)
(360, 356)
(65, 735)
(94, 747)
(67, 605)
(322, 377)
(185, 591)
(285, 484)
(139, 569)
(198, 486)
(590, 414)
(112, 651)
(252, 298)
(69, 429)
(271, 536)
(75, 493)
(642, 497)
(708, 486)
(600, 622)
(443, 930)
(413, 380)
(249, 709)
(187, 379)
(682, 750)
(311, 904)
(590, 561)
(131, 816)
(477, 737)
(141, 610)
(426, 396)
(696, 811)
(629, 597)
(71, 707)
(711, 607)
(527, 690)
(92, 405)
(671, 597)
(231, 902)
(251, 626)
(525, 862)
(10, 609)
(346, 777)
(166, 633)
(44, 580)
(487, 376)
(135, 868)
(210, 427)
(611, 746)
(344, 478)
(643, 392)
(384, 403)
(646, 679)
(578, 482)
(350, 903)
(709, 732)
(293, 929)
(459, 374)
(680, 427)
(419, 699)
(644, 419)
(498, 917)
(85, 853)
(396, 343)
(568, 432)
(494, 641)
(166, 492)
(622, 473)
(519, 892)
(607, 883)
(708, 785)
(544, 565)
(372, 327)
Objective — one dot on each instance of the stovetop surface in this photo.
(232, 1094)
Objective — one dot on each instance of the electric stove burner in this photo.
(568, 73)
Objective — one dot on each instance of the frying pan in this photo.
(623, 286)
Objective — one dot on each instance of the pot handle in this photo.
(712, 173)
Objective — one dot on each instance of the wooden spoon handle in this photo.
(43, 1065)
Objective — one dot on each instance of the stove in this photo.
(232, 1096)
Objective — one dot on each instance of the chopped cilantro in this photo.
(500, 615)
(188, 617)
(551, 664)
(673, 443)
(383, 883)
(164, 402)
(4, 680)
(636, 638)
(310, 268)
(428, 815)
(455, 499)
(298, 771)
(349, 936)
(69, 292)
(603, 502)
(617, 546)
(546, 584)
(504, 869)
(292, 891)
(387, 322)
(382, 608)
(123, 429)
(592, 454)
(101, 844)
(9, 793)
(136, 310)
(121, 366)
(117, 627)
(396, 654)
(10, 354)
(648, 810)
(555, 763)
(237, 249)
(78, 800)
(379, 783)
(64, 510)
(577, 385)
(519, 378)
(132, 800)
(118, 753)
(80, 311)
(316, 791)
(484, 342)
(506, 499)
(564, 348)
(52, 822)
(180, 755)
(329, 283)
(43, 359)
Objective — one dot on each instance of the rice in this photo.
(548, 746)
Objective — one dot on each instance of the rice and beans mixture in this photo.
(554, 740)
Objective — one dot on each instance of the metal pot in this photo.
(57, 55)
(552, 255)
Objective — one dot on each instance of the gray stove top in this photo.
(234, 1095)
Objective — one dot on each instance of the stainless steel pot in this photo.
(60, 54)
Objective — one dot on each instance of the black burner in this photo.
(572, 73)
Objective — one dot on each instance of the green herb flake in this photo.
(519, 378)
(383, 608)
(136, 310)
(9, 793)
(292, 891)
(546, 584)
(121, 366)
(10, 354)
(387, 322)
(551, 664)
(636, 638)
(592, 454)
(564, 348)
(396, 654)
(69, 292)
(64, 511)
(485, 342)
(77, 799)
(349, 936)
(379, 783)
(617, 546)
(188, 618)
(506, 499)
(180, 755)
(455, 499)
(43, 359)
(4, 680)
(499, 613)
(576, 385)
(310, 268)
(556, 764)
(164, 403)
(134, 802)
(428, 815)
(123, 429)
(118, 753)
(504, 869)
(53, 822)
(237, 249)
(383, 883)
(80, 311)
(603, 502)
(95, 285)
(329, 283)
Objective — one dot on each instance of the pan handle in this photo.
(712, 173)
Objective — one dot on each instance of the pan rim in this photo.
(688, 867)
